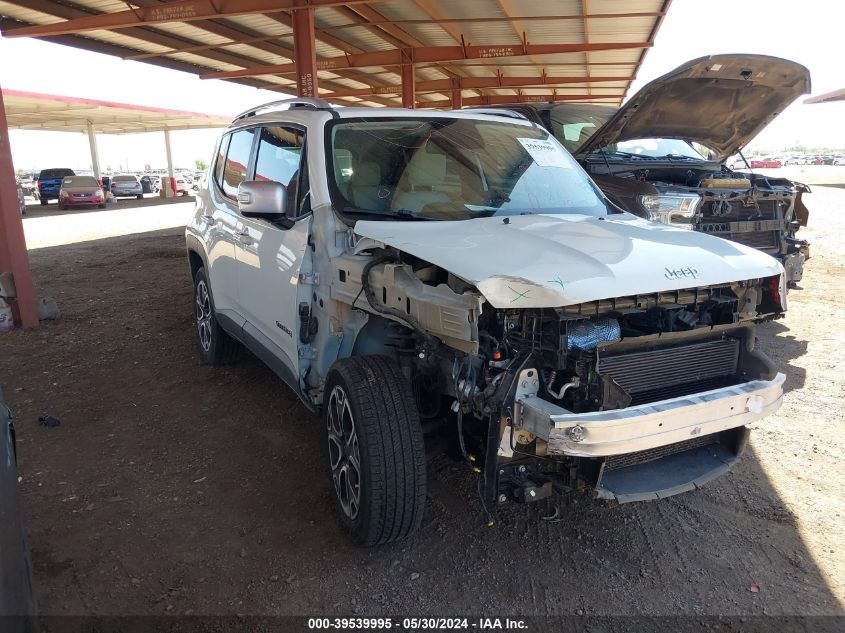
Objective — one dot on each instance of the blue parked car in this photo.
(50, 181)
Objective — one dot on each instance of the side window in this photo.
(279, 156)
(237, 161)
(220, 160)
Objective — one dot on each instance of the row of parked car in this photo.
(70, 189)
(769, 162)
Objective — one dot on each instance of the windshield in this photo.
(453, 169)
(572, 125)
(80, 181)
(659, 148)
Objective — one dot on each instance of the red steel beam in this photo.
(505, 99)
(305, 54)
(514, 18)
(429, 54)
(176, 11)
(13, 256)
(471, 83)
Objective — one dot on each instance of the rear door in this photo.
(269, 256)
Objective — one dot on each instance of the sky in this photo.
(808, 32)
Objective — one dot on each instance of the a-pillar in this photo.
(304, 51)
(95, 155)
(170, 191)
(13, 256)
(409, 86)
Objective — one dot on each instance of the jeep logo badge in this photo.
(682, 273)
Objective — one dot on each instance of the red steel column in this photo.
(409, 86)
(304, 52)
(457, 95)
(13, 256)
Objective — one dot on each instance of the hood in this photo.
(720, 101)
(544, 261)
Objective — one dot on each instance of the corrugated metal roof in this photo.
(250, 41)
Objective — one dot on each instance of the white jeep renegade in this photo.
(459, 268)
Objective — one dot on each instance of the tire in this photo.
(215, 345)
(101, 206)
(140, 196)
(369, 411)
(44, 202)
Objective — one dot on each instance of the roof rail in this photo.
(497, 112)
(293, 103)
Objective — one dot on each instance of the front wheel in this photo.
(375, 450)
(216, 346)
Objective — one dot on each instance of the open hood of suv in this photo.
(540, 261)
(720, 101)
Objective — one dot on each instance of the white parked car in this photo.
(460, 267)
(181, 186)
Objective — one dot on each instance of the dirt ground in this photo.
(174, 488)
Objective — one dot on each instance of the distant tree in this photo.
(201, 164)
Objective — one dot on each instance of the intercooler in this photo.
(762, 239)
(669, 372)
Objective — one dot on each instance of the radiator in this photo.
(668, 372)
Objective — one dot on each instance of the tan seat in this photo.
(423, 175)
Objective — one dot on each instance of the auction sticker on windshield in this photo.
(544, 153)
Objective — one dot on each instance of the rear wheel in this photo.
(216, 346)
(140, 196)
(44, 201)
(375, 450)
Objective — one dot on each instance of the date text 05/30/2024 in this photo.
(419, 624)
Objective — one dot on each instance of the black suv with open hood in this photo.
(663, 154)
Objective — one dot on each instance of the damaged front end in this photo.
(638, 397)
(762, 212)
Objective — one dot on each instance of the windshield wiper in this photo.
(399, 214)
(611, 154)
(673, 156)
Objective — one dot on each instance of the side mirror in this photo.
(262, 199)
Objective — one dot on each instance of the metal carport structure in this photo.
(37, 111)
(414, 53)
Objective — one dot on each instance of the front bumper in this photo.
(647, 426)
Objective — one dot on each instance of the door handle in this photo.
(244, 238)
(208, 219)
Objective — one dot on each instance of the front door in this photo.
(218, 221)
(270, 256)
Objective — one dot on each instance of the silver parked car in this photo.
(126, 186)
